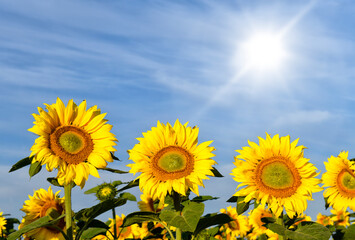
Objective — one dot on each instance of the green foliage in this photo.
(92, 232)
(241, 205)
(34, 168)
(128, 196)
(203, 198)
(349, 233)
(216, 173)
(22, 163)
(210, 220)
(113, 170)
(187, 220)
(41, 222)
(139, 217)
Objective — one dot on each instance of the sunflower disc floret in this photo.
(169, 158)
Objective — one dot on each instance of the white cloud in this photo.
(302, 117)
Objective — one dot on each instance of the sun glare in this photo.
(263, 51)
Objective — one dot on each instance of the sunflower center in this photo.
(346, 183)
(172, 162)
(278, 177)
(72, 144)
(234, 225)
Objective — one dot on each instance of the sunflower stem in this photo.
(280, 221)
(114, 224)
(68, 211)
(177, 202)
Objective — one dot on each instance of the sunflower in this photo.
(40, 205)
(106, 191)
(148, 204)
(324, 220)
(340, 217)
(340, 180)
(236, 228)
(170, 159)
(3, 222)
(255, 222)
(275, 172)
(74, 140)
(122, 233)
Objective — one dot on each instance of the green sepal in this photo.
(326, 203)
(210, 220)
(34, 168)
(139, 217)
(216, 173)
(114, 157)
(233, 199)
(41, 222)
(93, 190)
(187, 220)
(22, 163)
(241, 205)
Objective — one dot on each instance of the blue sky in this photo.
(143, 61)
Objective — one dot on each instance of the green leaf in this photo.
(128, 196)
(54, 182)
(233, 199)
(309, 231)
(326, 203)
(116, 183)
(41, 222)
(187, 220)
(131, 184)
(87, 214)
(268, 219)
(241, 205)
(92, 190)
(276, 228)
(35, 168)
(22, 163)
(93, 232)
(350, 233)
(139, 217)
(114, 157)
(203, 198)
(210, 220)
(113, 170)
(216, 173)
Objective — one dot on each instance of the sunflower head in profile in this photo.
(276, 173)
(169, 158)
(237, 228)
(148, 204)
(41, 204)
(3, 222)
(340, 217)
(324, 220)
(73, 139)
(106, 191)
(339, 179)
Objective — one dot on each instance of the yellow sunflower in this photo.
(275, 172)
(340, 217)
(2, 224)
(324, 220)
(148, 204)
(74, 140)
(236, 228)
(39, 205)
(340, 180)
(122, 233)
(169, 158)
(255, 222)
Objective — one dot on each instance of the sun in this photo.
(263, 51)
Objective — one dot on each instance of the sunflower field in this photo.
(274, 182)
